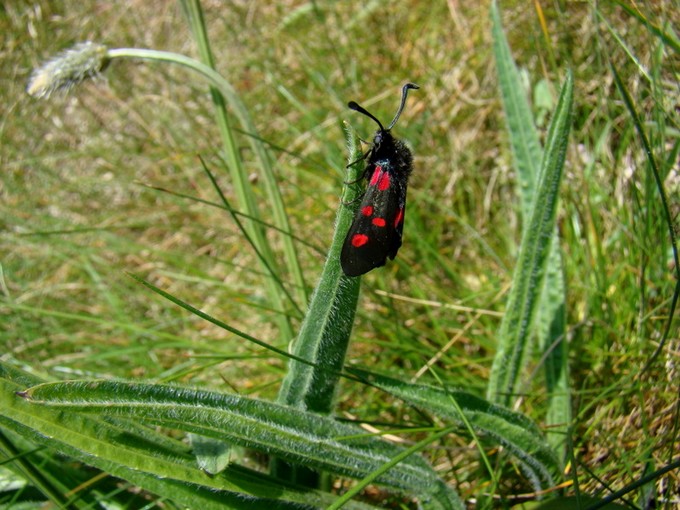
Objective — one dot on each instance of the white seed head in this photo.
(67, 69)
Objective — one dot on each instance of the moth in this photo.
(376, 231)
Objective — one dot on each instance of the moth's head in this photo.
(382, 134)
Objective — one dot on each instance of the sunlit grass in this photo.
(79, 209)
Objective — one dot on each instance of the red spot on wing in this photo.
(399, 218)
(367, 210)
(379, 222)
(376, 175)
(358, 240)
(384, 181)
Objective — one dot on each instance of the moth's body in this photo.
(377, 229)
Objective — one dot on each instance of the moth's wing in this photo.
(375, 233)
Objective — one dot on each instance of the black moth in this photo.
(375, 233)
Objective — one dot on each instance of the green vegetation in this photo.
(175, 326)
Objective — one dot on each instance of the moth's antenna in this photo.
(404, 93)
(358, 108)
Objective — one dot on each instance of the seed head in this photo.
(67, 69)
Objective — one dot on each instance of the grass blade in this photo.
(194, 13)
(524, 142)
(523, 301)
(150, 463)
(664, 204)
(325, 332)
(668, 37)
(297, 436)
(516, 432)
(527, 153)
(273, 274)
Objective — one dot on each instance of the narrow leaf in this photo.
(666, 35)
(325, 332)
(296, 436)
(235, 164)
(550, 322)
(581, 502)
(516, 432)
(148, 461)
(524, 142)
(524, 300)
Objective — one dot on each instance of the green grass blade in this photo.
(658, 180)
(668, 37)
(524, 142)
(215, 321)
(516, 432)
(263, 260)
(550, 323)
(524, 301)
(192, 9)
(649, 477)
(576, 503)
(227, 207)
(297, 436)
(551, 329)
(53, 489)
(325, 332)
(443, 496)
(146, 460)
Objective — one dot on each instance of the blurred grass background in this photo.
(82, 200)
